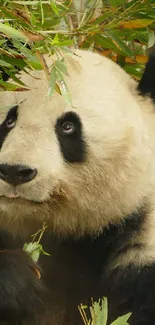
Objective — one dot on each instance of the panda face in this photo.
(77, 167)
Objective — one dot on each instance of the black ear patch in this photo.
(147, 83)
(6, 126)
(70, 136)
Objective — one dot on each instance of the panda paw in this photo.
(20, 287)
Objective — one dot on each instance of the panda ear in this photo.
(147, 83)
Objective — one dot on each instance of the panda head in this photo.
(76, 167)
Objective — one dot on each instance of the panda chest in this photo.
(72, 269)
(72, 274)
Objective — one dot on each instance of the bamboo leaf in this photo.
(104, 309)
(2, 51)
(63, 87)
(13, 77)
(34, 63)
(20, 16)
(15, 61)
(4, 64)
(135, 70)
(11, 87)
(12, 32)
(54, 8)
(151, 39)
(65, 43)
(60, 65)
(137, 23)
(116, 3)
(121, 320)
(42, 12)
(120, 44)
(52, 83)
(105, 42)
(30, 3)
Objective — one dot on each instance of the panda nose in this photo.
(17, 174)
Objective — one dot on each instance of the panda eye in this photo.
(10, 123)
(68, 127)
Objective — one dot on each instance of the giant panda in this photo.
(87, 169)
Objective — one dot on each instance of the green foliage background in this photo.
(120, 29)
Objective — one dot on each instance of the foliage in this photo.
(99, 314)
(120, 29)
(34, 248)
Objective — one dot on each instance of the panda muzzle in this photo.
(17, 174)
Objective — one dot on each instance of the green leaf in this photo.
(42, 12)
(99, 312)
(54, 8)
(15, 61)
(121, 320)
(105, 42)
(102, 18)
(55, 41)
(60, 65)
(34, 249)
(15, 17)
(88, 12)
(11, 87)
(104, 308)
(52, 84)
(33, 19)
(12, 32)
(120, 44)
(65, 43)
(30, 3)
(34, 63)
(63, 87)
(13, 77)
(4, 64)
(134, 70)
(151, 39)
(116, 3)
(136, 23)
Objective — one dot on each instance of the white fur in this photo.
(119, 171)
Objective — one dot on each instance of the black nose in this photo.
(17, 174)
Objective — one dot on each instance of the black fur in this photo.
(147, 83)
(17, 174)
(5, 76)
(76, 271)
(20, 289)
(72, 145)
(4, 130)
(131, 289)
(79, 272)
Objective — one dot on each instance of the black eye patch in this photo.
(8, 124)
(68, 129)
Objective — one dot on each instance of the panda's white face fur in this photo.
(97, 173)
